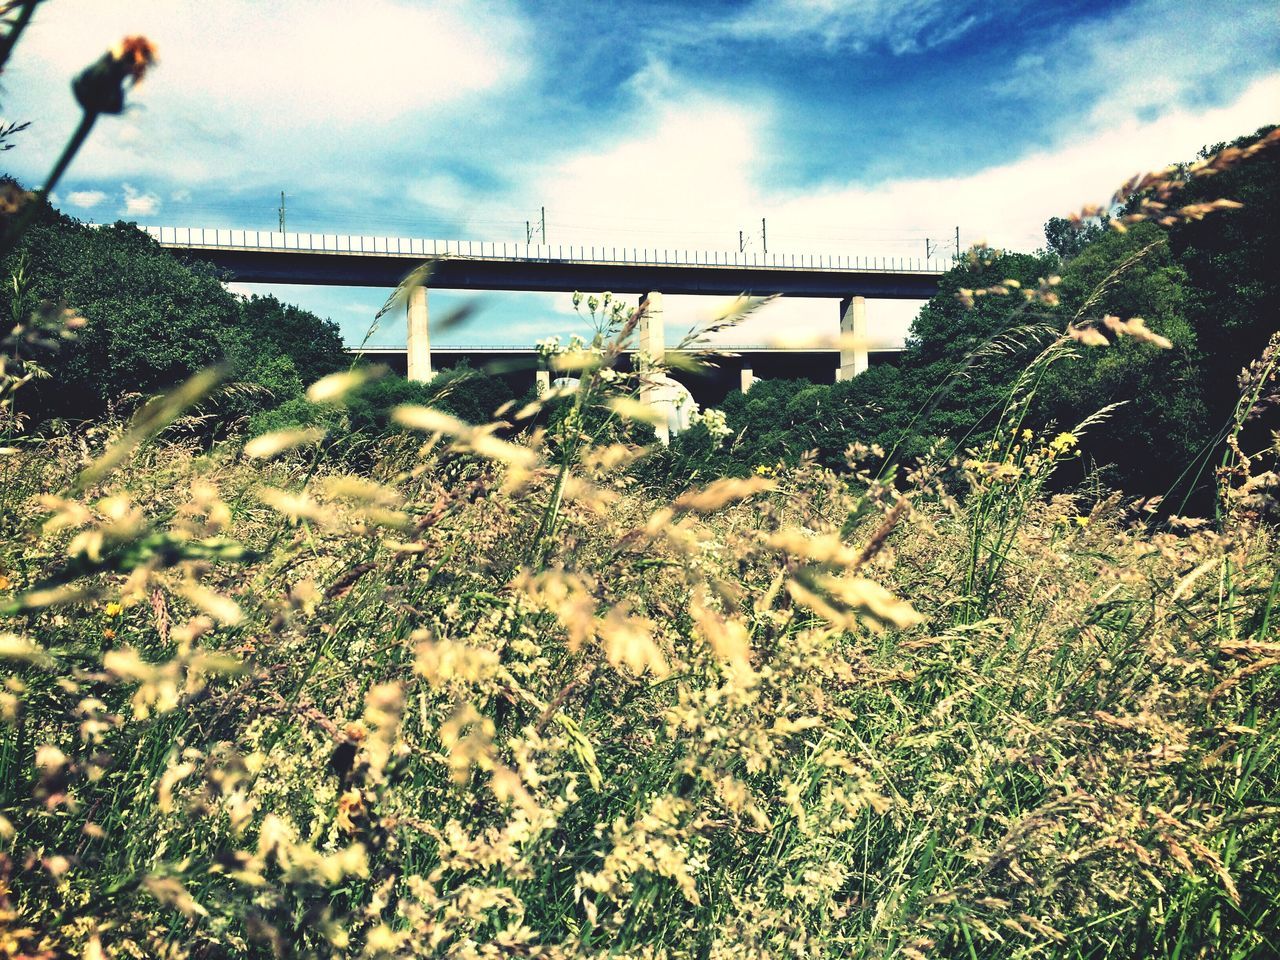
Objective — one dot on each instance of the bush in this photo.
(462, 392)
(469, 394)
(1145, 444)
(153, 321)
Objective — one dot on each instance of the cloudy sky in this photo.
(860, 127)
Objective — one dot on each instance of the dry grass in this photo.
(259, 708)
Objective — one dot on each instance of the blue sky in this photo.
(859, 127)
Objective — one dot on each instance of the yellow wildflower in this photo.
(1063, 442)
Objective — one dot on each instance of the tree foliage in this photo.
(152, 321)
(1231, 263)
(1208, 285)
(1144, 445)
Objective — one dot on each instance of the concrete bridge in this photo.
(254, 256)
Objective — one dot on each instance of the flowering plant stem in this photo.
(20, 23)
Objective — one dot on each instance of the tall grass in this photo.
(496, 699)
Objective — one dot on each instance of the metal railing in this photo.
(203, 238)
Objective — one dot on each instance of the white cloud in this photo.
(1148, 56)
(440, 191)
(291, 60)
(1007, 205)
(85, 199)
(904, 26)
(139, 204)
(690, 178)
(686, 175)
(308, 90)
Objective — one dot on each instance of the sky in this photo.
(864, 127)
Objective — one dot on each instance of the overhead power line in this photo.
(627, 230)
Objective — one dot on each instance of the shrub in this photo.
(366, 413)
(153, 321)
(1146, 444)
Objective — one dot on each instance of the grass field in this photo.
(489, 698)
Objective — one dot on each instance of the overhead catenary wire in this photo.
(239, 213)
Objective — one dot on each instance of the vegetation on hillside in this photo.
(147, 321)
(152, 321)
(1184, 278)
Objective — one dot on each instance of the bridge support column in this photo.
(653, 340)
(653, 350)
(748, 377)
(853, 336)
(419, 342)
(542, 379)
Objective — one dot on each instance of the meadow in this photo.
(495, 698)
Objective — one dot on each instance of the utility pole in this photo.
(930, 248)
(744, 240)
(281, 211)
(541, 230)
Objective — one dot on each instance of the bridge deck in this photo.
(271, 257)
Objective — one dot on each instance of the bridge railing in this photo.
(202, 238)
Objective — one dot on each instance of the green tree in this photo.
(268, 326)
(1145, 445)
(153, 320)
(1067, 239)
(961, 361)
(1232, 260)
(469, 394)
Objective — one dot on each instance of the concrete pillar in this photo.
(653, 346)
(419, 342)
(543, 380)
(748, 377)
(653, 338)
(853, 325)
